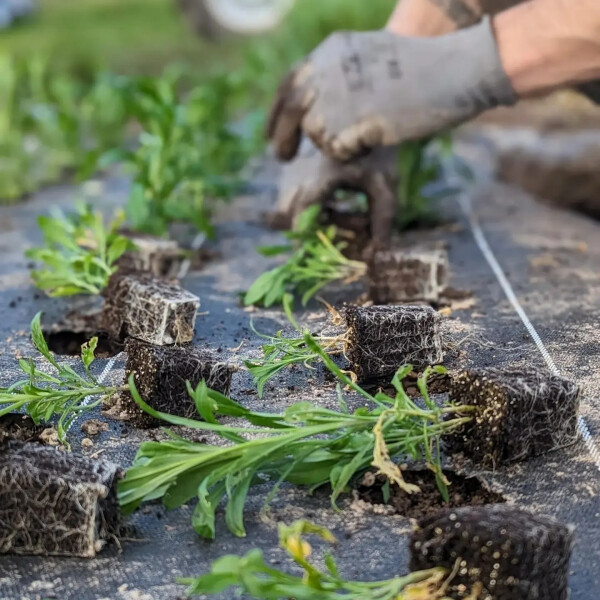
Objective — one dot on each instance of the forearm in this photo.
(549, 44)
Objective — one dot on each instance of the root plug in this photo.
(496, 552)
(397, 276)
(160, 257)
(520, 414)
(55, 503)
(161, 374)
(381, 338)
(149, 309)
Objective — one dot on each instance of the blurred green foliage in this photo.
(61, 114)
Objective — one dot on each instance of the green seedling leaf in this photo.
(250, 574)
(306, 445)
(80, 253)
(62, 394)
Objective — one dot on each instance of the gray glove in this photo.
(357, 91)
(313, 178)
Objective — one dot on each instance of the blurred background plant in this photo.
(85, 84)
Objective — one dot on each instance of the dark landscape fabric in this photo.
(551, 261)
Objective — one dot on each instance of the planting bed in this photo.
(552, 259)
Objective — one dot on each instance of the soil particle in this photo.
(93, 427)
(464, 491)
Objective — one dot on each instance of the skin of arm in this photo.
(544, 44)
(549, 44)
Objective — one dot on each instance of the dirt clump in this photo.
(463, 491)
(19, 427)
(93, 427)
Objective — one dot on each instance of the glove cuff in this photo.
(490, 85)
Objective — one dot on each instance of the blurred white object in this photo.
(213, 18)
(13, 10)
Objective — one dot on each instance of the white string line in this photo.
(482, 243)
(101, 378)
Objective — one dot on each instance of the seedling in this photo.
(376, 340)
(418, 173)
(252, 575)
(53, 124)
(80, 252)
(314, 260)
(282, 352)
(62, 392)
(187, 155)
(306, 445)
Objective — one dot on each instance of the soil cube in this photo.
(149, 309)
(397, 276)
(54, 502)
(383, 338)
(521, 414)
(161, 374)
(503, 552)
(158, 256)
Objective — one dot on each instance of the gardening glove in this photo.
(313, 178)
(357, 91)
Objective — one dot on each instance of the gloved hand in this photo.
(313, 178)
(357, 91)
